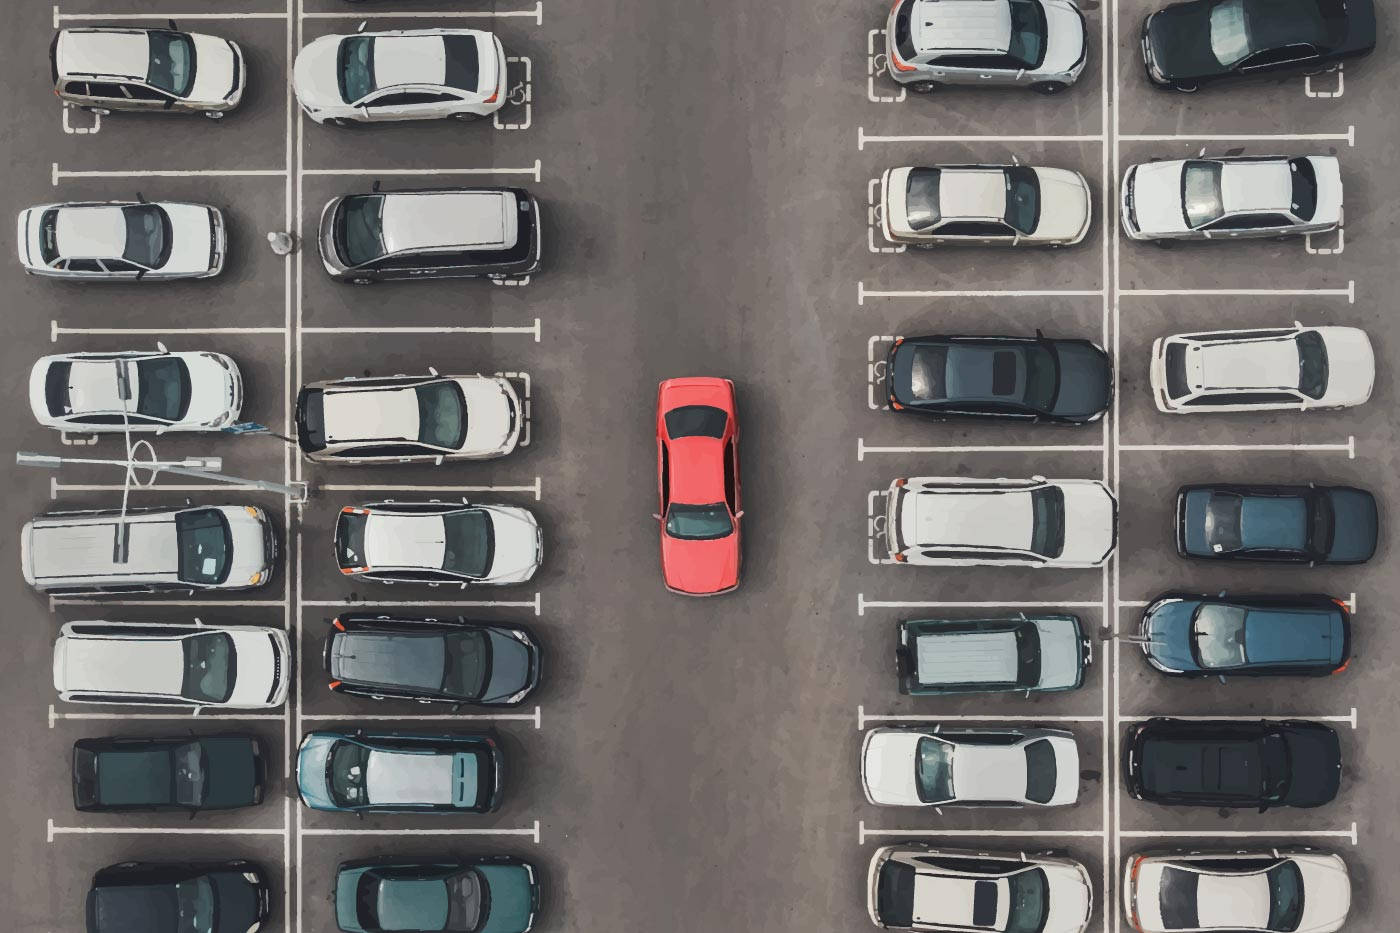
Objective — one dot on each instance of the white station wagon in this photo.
(164, 664)
(969, 767)
(999, 205)
(1280, 369)
(104, 69)
(421, 74)
(149, 391)
(959, 522)
(123, 240)
(1239, 196)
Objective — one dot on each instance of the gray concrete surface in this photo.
(704, 169)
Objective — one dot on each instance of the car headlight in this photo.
(250, 877)
(254, 511)
(220, 421)
(519, 636)
(517, 696)
(255, 579)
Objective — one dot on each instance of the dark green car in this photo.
(484, 894)
(214, 772)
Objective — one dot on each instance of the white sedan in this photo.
(122, 240)
(1006, 205)
(420, 74)
(149, 391)
(1299, 890)
(970, 767)
(1277, 369)
(959, 522)
(1238, 196)
(439, 542)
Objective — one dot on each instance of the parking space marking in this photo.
(1349, 293)
(863, 293)
(55, 716)
(863, 604)
(1349, 448)
(533, 832)
(68, 439)
(525, 91)
(1309, 91)
(59, 17)
(54, 830)
(1239, 833)
(55, 331)
(58, 174)
(863, 448)
(875, 370)
(533, 329)
(1349, 719)
(537, 14)
(532, 171)
(862, 138)
(55, 487)
(424, 717)
(873, 209)
(69, 128)
(1349, 137)
(874, 66)
(990, 833)
(875, 526)
(534, 604)
(862, 717)
(533, 488)
(158, 601)
(1327, 250)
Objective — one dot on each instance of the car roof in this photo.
(966, 657)
(1246, 364)
(953, 900)
(968, 193)
(996, 518)
(961, 25)
(145, 665)
(412, 777)
(415, 540)
(398, 658)
(445, 219)
(119, 52)
(1264, 185)
(989, 772)
(697, 470)
(381, 413)
(95, 232)
(84, 547)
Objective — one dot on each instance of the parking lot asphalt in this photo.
(705, 173)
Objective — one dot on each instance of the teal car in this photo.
(484, 894)
(399, 772)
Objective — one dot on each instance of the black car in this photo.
(1227, 763)
(1190, 44)
(1027, 379)
(431, 660)
(1283, 524)
(142, 897)
(218, 772)
(1199, 636)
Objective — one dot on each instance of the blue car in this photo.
(481, 894)
(399, 772)
(1199, 636)
(1283, 524)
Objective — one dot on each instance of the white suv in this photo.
(127, 241)
(172, 664)
(1275, 369)
(999, 205)
(160, 391)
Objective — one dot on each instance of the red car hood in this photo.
(700, 566)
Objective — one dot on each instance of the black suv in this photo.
(1228, 763)
(217, 772)
(139, 897)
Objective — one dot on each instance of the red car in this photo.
(697, 472)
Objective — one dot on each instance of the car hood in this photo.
(262, 665)
(1066, 36)
(887, 767)
(512, 669)
(1328, 170)
(249, 547)
(1326, 892)
(1091, 517)
(212, 387)
(1361, 27)
(1167, 626)
(1157, 198)
(315, 74)
(1065, 206)
(516, 555)
(1316, 774)
(1355, 525)
(1351, 365)
(191, 234)
(213, 75)
(312, 758)
(894, 187)
(700, 566)
(1086, 381)
(232, 778)
(28, 239)
(1061, 653)
(493, 419)
(1071, 898)
(512, 898)
(1177, 38)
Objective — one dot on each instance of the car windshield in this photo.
(442, 415)
(162, 387)
(928, 372)
(1029, 896)
(1200, 193)
(1042, 377)
(698, 522)
(921, 198)
(359, 230)
(1217, 636)
(696, 421)
(350, 538)
(1285, 896)
(1223, 522)
(209, 667)
(1229, 32)
(1177, 895)
(1022, 195)
(48, 236)
(148, 235)
(1321, 521)
(1277, 765)
(1048, 517)
(466, 663)
(469, 542)
(1027, 33)
(345, 774)
(202, 537)
(196, 902)
(189, 769)
(356, 67)
(172, 62)
(1312, 364)
(933, 770)
(1027, 655)
(1304, 202)
(1040, 771)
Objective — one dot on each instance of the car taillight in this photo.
(900, 558)
(1346, 606)
(333, 684)
(1343, 666)
(1132, 894)
(338, 624)
(895, 405)
(492, 99)
(898, 341)
(352, 570)
(901, 483)
(351, 510)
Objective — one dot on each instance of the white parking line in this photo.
(54, 830)
(533, 488)
(863, 293)
(1239, 833)
(55, 716)
(1349, 137)
(532, 171)
(875, 526)
(425, 717)
(55, 331)
(862, 717)
(56, 488)
(59, 18)
(1349, 719)
(534, 604)
(1349, 293)
(1341, 86)
(159, 601)
(862, 604)
(862, 138)
(69, 128)
(58, 174)
(526, 90)
(934, 832)
(533, 329)
(533, 832)
(537, 14)
(1349, 448)
(862, 449)
(1326, 250)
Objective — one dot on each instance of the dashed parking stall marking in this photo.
(534, 604)
(425, 717)
(533, 329)
(1349, 137)
(875, 525)
(863, 604)
(873, 210)
(536, 13)
(533, 832)
(533, 171)
(1349, 834)
(862, 138)
(874, 67)
(863, 293)
(1310, 91)
(875, 374)
(1349, 293)
(935, 832)
(863, 448)
(1349, 448)
(521, 95)
(70, 129)
(862, 717)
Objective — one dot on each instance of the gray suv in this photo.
(1028, 654)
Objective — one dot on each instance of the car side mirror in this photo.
(437, 461)
(432, 371)
(171, 24)
(169, 103)
(1220, 677)
(361, 27)
(375, 187)
(739, 514)
(193, 813)
(656, 515)
(140, 274)
(141, 198)
(161, 347)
